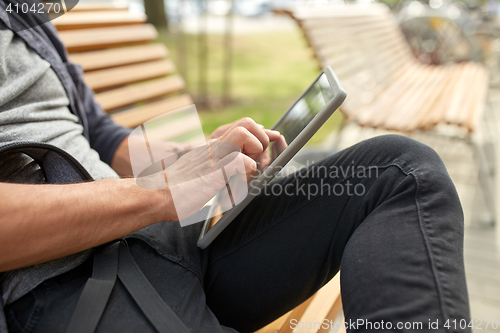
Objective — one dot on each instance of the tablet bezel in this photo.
(207, 237)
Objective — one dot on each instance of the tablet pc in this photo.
(311, 110)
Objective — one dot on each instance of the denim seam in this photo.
(34, 319)
(435, 273)
(428, 246)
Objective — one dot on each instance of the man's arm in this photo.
(39, 223)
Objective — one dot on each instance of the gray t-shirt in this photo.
(34, 107)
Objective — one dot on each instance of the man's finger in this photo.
(247, 142)
(253, 128)
(272, 134)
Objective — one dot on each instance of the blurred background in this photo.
(247, 58)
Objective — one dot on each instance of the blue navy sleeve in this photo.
(103, 133)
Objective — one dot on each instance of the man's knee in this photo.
(420, 161)
(410, 155)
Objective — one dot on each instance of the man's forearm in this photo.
(39, 223)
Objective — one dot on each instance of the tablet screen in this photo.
(306, 108)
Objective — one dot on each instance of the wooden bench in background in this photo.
(387, 88)
(134, 81)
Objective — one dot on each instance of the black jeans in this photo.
(384, 212)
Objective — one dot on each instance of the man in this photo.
(398, 242)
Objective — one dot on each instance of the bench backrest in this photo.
(133, 79)
(362, 44)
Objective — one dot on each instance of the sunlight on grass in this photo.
(270, 71)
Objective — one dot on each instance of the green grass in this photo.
(269, 72)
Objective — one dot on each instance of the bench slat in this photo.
(351, 41)
(369, 53)
(129, 95)
(366, 96)
(380, 115)
(455, 101)
(471, 96)
(388, 48)
(119, 76)
(439, 110)
(85, 20)
(335, 32)
(182, 129)
(93, 60)
(391, 117)
(466, 96)
(424, 106)
(357, 45)
(383, 61)
(385, 99)
(412, 101)
(99, 38)
(348, 12)
(135, 117)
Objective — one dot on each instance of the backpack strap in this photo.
(160, 315)
(109, 261)
(95, 294)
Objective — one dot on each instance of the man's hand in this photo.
(199, 174)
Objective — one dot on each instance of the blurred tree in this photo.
(155, 10)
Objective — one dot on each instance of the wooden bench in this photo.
(387, 87)
(133, 79)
